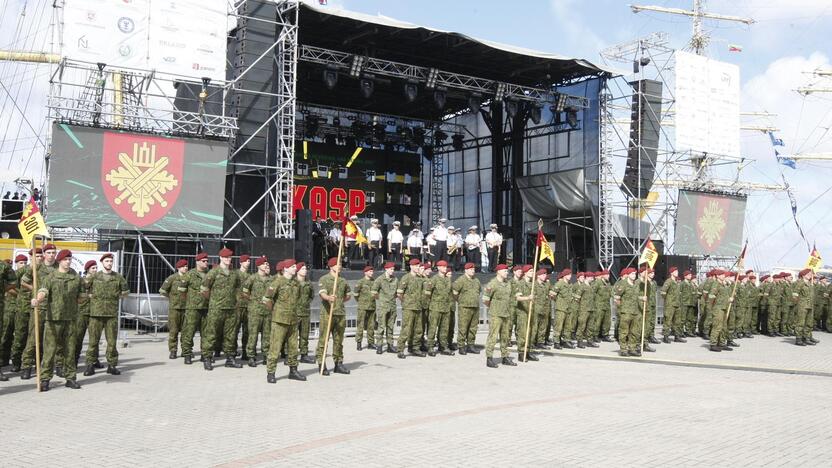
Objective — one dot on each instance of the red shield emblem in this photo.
(141, 175)
(711, 222)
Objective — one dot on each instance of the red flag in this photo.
(352, 231)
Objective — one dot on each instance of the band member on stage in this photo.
(440, 235)
(394, 244)
(472, 246)
(332, 239)
(414, 244)
(351, 244)
(494, 244)
(455, 246)
(374, 238)
(430, 246)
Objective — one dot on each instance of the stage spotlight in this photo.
(433, 74)
(367, 86)
(439, 136)
(572, 117)
(419, 135)
(357, 65)
(440, 96)
(536, 113)
(500, 93)
(330, 78)
(557, 117)
(411, 90)
(475, 102)
(311, 126)
(560, 102)
(456, 141)
(511, 107)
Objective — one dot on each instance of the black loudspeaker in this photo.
(644, 135)
(274, 249)
(303, 237)
(681, 262)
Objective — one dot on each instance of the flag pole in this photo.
(35, 312)
(534, 280)
(644, 309)
(332, 304)
(739, 264)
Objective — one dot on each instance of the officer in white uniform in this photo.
(440, 235)
(472, 246)
(394, 244)
(374, 238)
(493, 243)
(414, 244)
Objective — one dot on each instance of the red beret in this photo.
(542, 271)
(181, 263)
(469, 265)
(201, 256)
(688, 273)
(38, 251)
(63, 254)
(89, 264)
(300, 265)
(672, 269)
(426, 265)
(226, 252)
(517, 268)
(260, 260)
(627, 271)
(740, 277)
(332, 262)
(441, 263)
(414, 262)
(566, 272)
(289, 263)
(49, 247)
(581, 274)
(106, 255)
(368, 268)
(244, 258)
(21, 258)
(804, 272)
(501, 266)
(602, 273)
(526, 268)
(590, 274)
(765, 277)
(749, 271)
(389, 265)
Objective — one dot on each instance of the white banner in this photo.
(79, 258)
(183, 37)
(707, 117)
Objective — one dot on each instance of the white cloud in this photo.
(578, 38)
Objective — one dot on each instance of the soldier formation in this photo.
(525, 307)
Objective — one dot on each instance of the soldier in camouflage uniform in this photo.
(410, 295)
(175, 288)
(332, 300)
(384, 291)
(499, 300)
(787, 306)
(10, 317)
(720, 299)
(514, 281)
(819, 303)
(753, 323)
(673, 312)
(586, 310)
(644, 319)
(304, 309)
(438, 292)
(59, 293)
(45, 268)
(603, 310)
(775, 304)
(542, 308)
(563, 297)
(424, 316)
(219, 287)
(803, 297)
(196, 309)
(281, 297)
(628, 299)
(687, 304)
(22, 315)
(824, 323)
(467, 290)
(106, 288)
(706, 316)
(83, 323)
(452, 345)
(259, 316)
(764, 289)
(242, 306)
(650, 325)
(366, 310)
(523, 300)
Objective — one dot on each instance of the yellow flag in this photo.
(650, 254)
(815, 261)
(545, 249)
(31, 222)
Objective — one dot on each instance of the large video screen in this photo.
(709, 224)
(370, 183)
(109, 179)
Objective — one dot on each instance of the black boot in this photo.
(431, 353)
(401, 356)
(463, 350)
(325, 371)
(270, 378)
(3, 377)
(557, 346)
(358, 346)
(216, 354)
(44, 385)
(592, 344)
(98, 364)
(715, 348)
(623, 353)
(491, 362)
(418, 353)
(446, 352)
(305, 359)
(90, 370)
(809, 341)
(16, 367)
(232, 363)
(733, 344)
(189, 360)
(799, 342)
(653, 340)
(581, 344)
(530, 357)
(172, 355)
(392, 349)
(373, 346)
(295, 375)
(607, 339)
(72, 384)
(666, 339)
(208, 363)
(340, 369)
(567, 344)
(648, 348)
(507, 361)
(252, 362)
(679, 339)
(473, 349)
(380, 349)
(112, 370)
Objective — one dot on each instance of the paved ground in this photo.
(442, 411)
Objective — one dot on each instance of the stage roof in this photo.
(386, 38)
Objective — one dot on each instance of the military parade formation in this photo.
(263, 316)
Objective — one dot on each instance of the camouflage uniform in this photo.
(44, 271)
(603, 312)
(410, 289)
(672, 309)
(221, 283)
(339, 317)
(61, 292)
(9, 320)
(438, 291)
(304, 308)
(384, 290)
(83, 322)
(525, 322)
(719, 296)
(175, 288)
(259, 321)
(196, 309)
(282, 294)
(498, 296)
(803, 294)
(586, 308)
(105, 291)
(467, 292)
(687, 303)
(242, 313)
(543, 312)
(366, 311)
(563, 297)
(629, 311)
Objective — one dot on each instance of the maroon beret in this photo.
(226, 252)
(106, 255)
(368, 268)
(260, 261)
(414, 262)
(89, 264)
(469, 265)
(244, 258)
(389, 265)
(181, 263)
(65, 253)
(21, 258)
(49, 247)
(332, 262)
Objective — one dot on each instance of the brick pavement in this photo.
(448, 411)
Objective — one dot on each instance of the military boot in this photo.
(252, 362)
(557, 346)
(16, 367)
(401, 355)
(323, 370)
(463, 350)
(623, 353)
(380, 349)
(529, 357)
(581, 344)
(372, 346)
(715, 348)
(208, 363)
(649, 349)
(679, 339)
(472, 349)
(216, 354)
(567, 344)
(491, 362)
(270, 378)
(653, 340)
(44, 385)
(418, 353)
(90, 370)
(733, 344)
(446, 352)
(189, 360)
(432, 353)
(358, 346)
(666, 339)
(112, 370)
(607, 339)
(809, 341)
(232, 363)
(813, 340)
(392, 349)
(3, 377)
(340, 369)
(295, 375)
(592, 344)
(98, 364)
(172, 355)
(507, 361)
(72, 384)
(306, 359)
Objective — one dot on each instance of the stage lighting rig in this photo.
(433, 74)
(475, 102)
(419, 136)
(536, 113)
(500, 93)
(439, 136)
(356, 66)
(367, 85)
(411, 90)
(330, 77)
(456, 142)
(560, 103)
(511, 107)
(311, 125)
(572, 117)
(440, 97)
